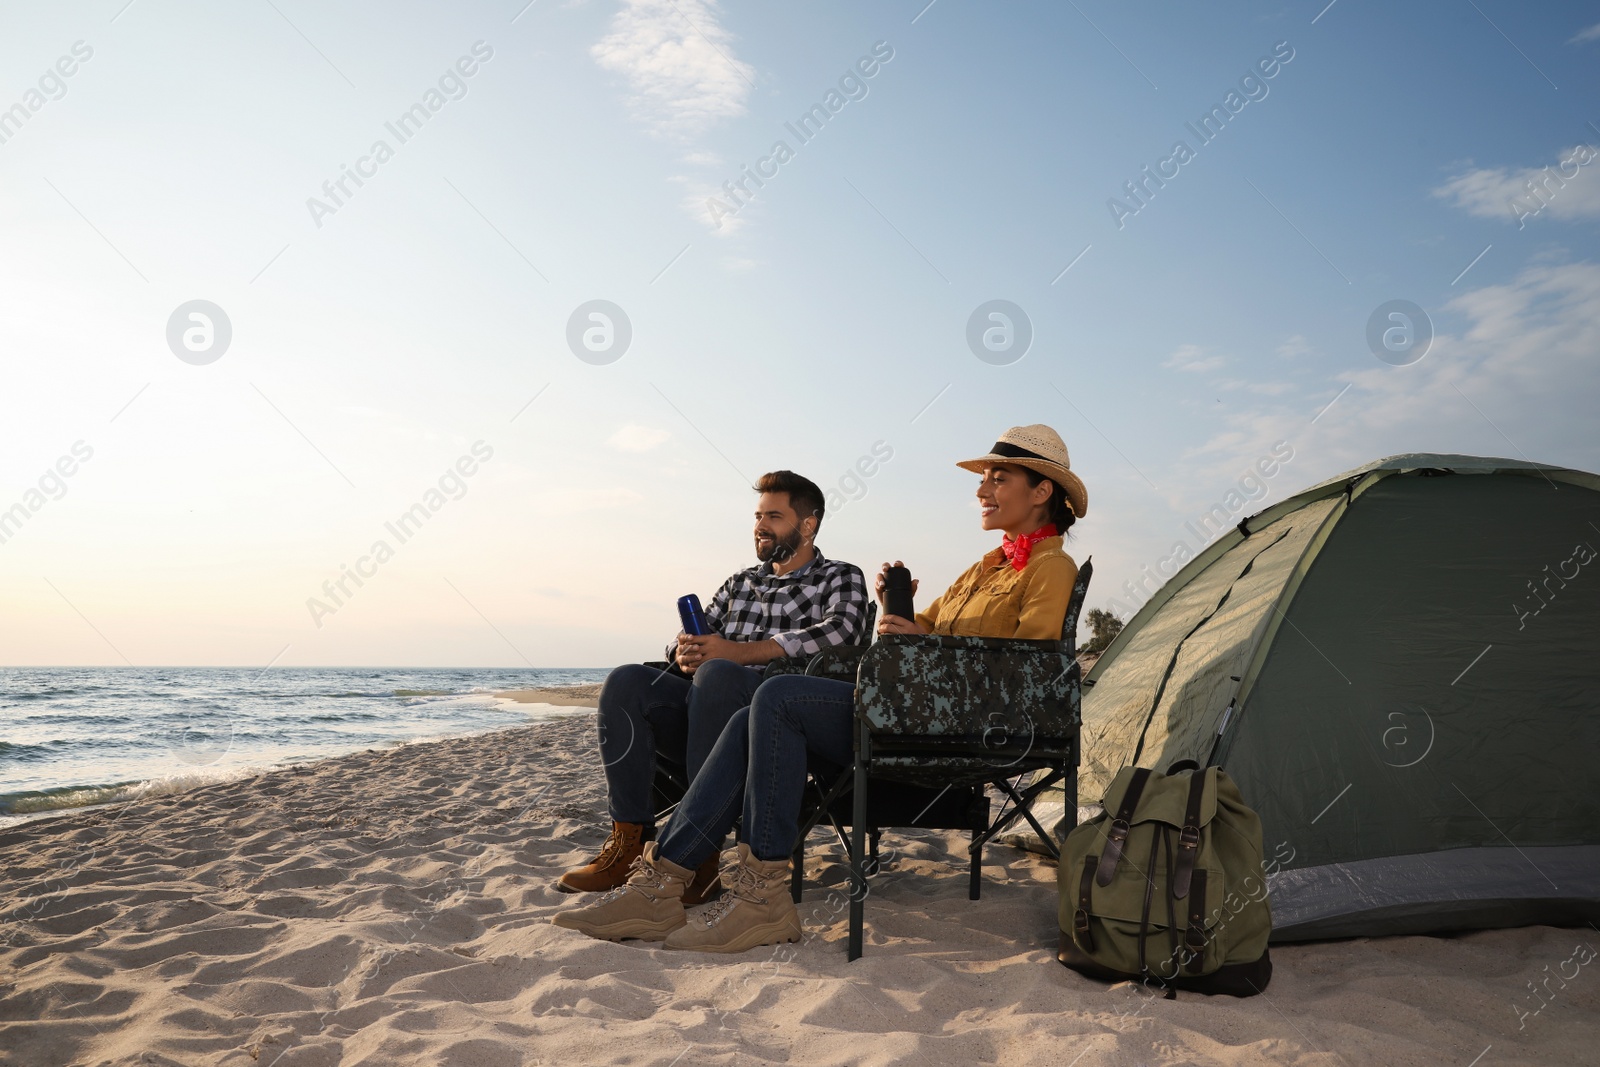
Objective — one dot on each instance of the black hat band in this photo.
(1010, 451)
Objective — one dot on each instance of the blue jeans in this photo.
(759, 767)
(645, 713)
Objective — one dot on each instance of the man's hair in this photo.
(804, 496)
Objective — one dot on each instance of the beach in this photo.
(566, 696)
(392, 906)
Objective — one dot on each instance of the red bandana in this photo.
(1019, 550)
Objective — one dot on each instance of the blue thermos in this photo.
(694, 619)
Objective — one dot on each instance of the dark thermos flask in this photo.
(897, 593)
(694, 619)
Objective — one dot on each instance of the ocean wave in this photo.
(51, 692)
(345, 694)
(307, 694)
(23, 752)
(68, 718)
(33, 802)
(42, 801)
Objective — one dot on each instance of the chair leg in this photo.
(975, 879)
(797, 871)
(858, 842)
(1070, 791)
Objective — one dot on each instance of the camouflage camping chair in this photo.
(672, 778)
(941, 721)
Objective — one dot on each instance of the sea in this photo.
(79, 737)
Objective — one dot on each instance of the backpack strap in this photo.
(1189, 838)
(1174, 956)
(1121, 823)
(1149, 896)
(1080, 918)
(1156, 841)
(1194, 938)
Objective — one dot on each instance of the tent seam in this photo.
(1177, 649)
(1286, 596)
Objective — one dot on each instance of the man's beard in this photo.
(781, 549)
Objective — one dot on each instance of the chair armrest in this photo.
(837, 661)
(917, 685)
(785, 665)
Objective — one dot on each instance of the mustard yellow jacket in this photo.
(994, 599)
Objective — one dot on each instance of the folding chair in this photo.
(947, 718)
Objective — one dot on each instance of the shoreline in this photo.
(565, 696)
(41, 804)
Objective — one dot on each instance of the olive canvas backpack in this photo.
(1167, 885)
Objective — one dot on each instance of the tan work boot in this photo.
(610, 868)
(754, 910)
(649, 906)
(707, 884)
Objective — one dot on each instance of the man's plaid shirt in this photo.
(823, 603)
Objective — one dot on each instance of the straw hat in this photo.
(1039, 448)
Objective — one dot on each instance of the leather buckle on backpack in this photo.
(1121, 826)
(1080, 928)
(1189, 838)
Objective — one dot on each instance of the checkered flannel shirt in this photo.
(823, 603)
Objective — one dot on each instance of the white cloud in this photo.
(633, 438)
(724, 217)
(1567, 189)
(1263, 388)
(679, 64)
(1583, 36)
(1192, 358)
(1293, 346)
(1518, 378)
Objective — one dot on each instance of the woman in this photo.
(758, 765)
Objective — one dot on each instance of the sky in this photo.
(398, 218)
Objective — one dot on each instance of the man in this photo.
(795, 603)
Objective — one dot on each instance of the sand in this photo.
(392, 907)
(567, 696)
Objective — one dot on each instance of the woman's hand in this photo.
(880, 585)
(894, 624)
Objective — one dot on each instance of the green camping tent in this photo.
(1401, 669)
